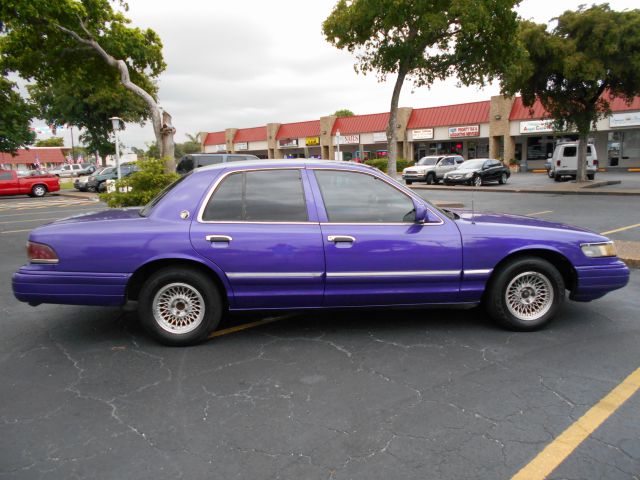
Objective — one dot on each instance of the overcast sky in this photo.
(249, 62)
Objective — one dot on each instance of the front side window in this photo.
(447, 162)
(351, 197)
(259, 196)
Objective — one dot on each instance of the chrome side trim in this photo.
(478, 272)
(274, 274)
(47, 261)
(415, 273)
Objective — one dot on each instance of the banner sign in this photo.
(468, 131)
(288, 142)
(536, 126)
(379, 137)
(345, 139)
(242, 146)
(422, 134)
(221, 148)
(312, 141)
(627, 119)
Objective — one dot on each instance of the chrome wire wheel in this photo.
(529, 296)
(477, 181)
(178, 308)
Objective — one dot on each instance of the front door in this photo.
(375, 252)
(258, 229)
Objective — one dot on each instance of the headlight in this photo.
(469, 175)
(595, 250)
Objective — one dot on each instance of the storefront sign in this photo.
(627, 119)
(288, 142)
(221, 148)
(379, 137)
(468, 131)
(312, 141)
(536, 126)
(242, 146)
(422, 134)
(344, 139)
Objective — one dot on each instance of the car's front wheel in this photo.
(179, 306)
(525, 294)
(430, 178)
(477, 181)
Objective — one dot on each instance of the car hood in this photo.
(505, 219)
(420, 168)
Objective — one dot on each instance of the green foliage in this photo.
(590, 52)
(344, 112)
(50, 142)
(70, 82)
(382, 163)
(15, 115)
(140, 187)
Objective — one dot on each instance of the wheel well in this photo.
(556, 259)
(135, 283)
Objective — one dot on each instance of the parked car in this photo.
(478, 171)
(197, 160)
(73, 170)
(32, 185)
(82, 183)
(431, 169)
(96, 183)
(547, 166)
(564, 162)
(303, 234)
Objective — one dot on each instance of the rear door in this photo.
(258, 228)
(445, 165)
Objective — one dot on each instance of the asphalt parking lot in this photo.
(438, 394)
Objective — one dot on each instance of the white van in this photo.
(564, 162)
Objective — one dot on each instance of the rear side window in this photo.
(185, 165)
(588, 150)
(459, 160)
(259, 196)
(236, 158)
(209, 160)
(6, 176)
(570, 152)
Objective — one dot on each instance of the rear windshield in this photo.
(155, 200)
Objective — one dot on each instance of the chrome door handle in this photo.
(218, 238)
(341, 238)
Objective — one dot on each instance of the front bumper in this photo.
(36, 284)
(595, 281)
(415, 177)
(452, 180)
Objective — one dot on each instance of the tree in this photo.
(591, 56)
(46, 42)
(344, 112)
(15, 115)
(50, 142)
(424, 40)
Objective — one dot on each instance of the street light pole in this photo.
(338, 145)
(115, 122)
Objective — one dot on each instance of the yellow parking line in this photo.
(32, 220)
(622, 229)
(540, 213)
(17, 231)
(245, 326)
(558, 450)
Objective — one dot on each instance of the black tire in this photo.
(38, 190)
(503, 179)
(430, 178)
(408, 182)
(91, 188)
(436, 180)
(591, 176)
(557, 178)
(545, 276)
(197, 290)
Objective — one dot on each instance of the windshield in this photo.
(471, 165)
(155, 200)
(428, 161)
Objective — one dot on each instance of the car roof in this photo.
(294, 163)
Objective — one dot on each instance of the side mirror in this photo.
(422, 214)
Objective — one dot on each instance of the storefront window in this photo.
(539, 148)
(623, 146)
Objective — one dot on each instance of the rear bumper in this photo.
(36, 286)
(595, 281)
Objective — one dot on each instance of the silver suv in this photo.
(431, 169)
(73, 170)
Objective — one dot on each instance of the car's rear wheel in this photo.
(525, 294)
(430, 178)
(550, 173)
(38, 190)
(408, 182)
(477, 181)
(591, 176)
(503, 179)
(179, 306)
(557, 178)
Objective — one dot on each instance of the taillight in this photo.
(41, 253)
(558, 163)
(595, 163)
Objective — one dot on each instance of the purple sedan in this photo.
(294, 235)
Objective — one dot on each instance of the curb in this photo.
(76, 195)
(582, 191)
(631, 262)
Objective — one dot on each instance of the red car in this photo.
(34, 186)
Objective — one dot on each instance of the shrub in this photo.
(140, 187)
(381, 163)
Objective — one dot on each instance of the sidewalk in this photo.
(563, 188)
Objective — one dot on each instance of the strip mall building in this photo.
(499, 128)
